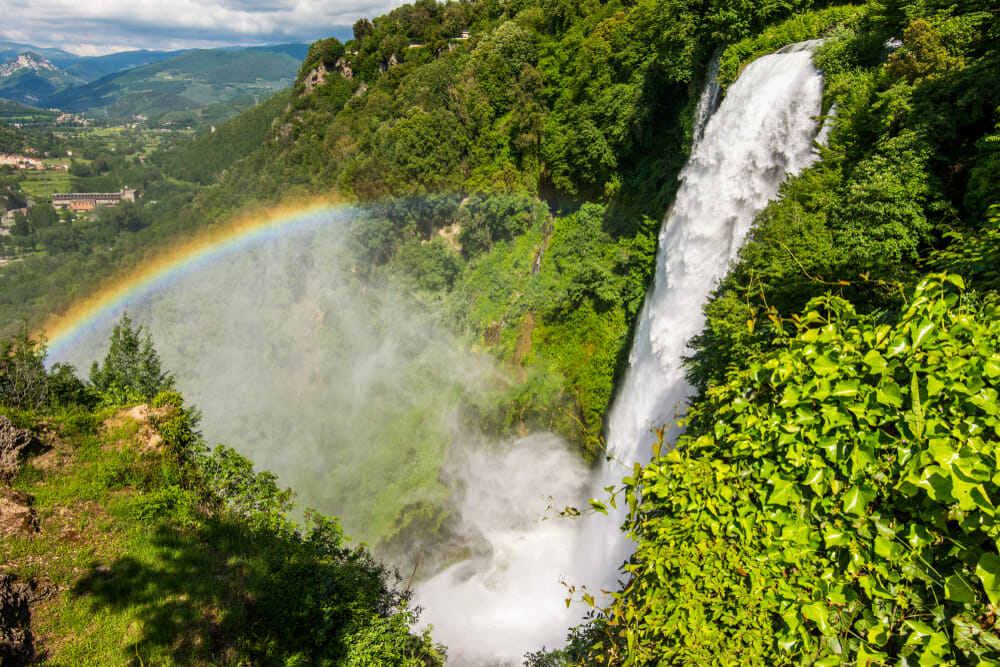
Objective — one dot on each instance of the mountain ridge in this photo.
(114, 84)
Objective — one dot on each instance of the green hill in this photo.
(187, 82)
(34, 87)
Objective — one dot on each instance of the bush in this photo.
(840, 504)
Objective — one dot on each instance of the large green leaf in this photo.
(988, 571)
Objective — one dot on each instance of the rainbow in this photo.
(65, 330)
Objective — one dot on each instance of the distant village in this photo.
(78, 202)
(87, 201)
(25, 162)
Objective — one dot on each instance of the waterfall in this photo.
(491, 609)
(369, 386)
(763, 130)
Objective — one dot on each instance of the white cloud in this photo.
(103, 26)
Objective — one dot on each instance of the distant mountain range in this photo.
(189, 86)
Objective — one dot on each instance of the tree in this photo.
(131, 364)
(42, 216)
(23, 382)
(20, 226)
(362, 28)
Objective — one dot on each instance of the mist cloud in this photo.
(358, 399)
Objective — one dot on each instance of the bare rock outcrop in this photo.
(344, 67)
(14, 443)
(315, 78)
(16, 642)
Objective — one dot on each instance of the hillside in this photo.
(191, 80)
(152, 84)
(834, 498)
(589, 114)
(31, 80)
(187, 555)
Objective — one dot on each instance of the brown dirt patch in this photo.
(148, 437)
(57, 452)
(450, 234)
(523, 345)
(17, 516)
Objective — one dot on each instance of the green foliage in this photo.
(923, 55)
(838, 505)
(325, 52)
(197, 563)
(487, 220)
(23, 381)
(800, 27)
(882, 219)
(422, 151)
(131, 365)
(974, 254)
(65, 389)
(435, 265)
(170, 502)
(179, 427)
(203, 159)
(230, 478)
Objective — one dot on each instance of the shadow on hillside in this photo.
(231, 592)
(182, 592)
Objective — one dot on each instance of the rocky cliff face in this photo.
(26, 61)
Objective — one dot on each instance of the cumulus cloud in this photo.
(104, 26)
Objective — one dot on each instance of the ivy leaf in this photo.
(856, 500)
(988, 571)
(955, 280)
(824, 365)
(919, 630)
(783, 491)
(890, 395)
(598, 506)
(957, 589)
(817, 613)
(846, 389)
(834, 536)
(876, 362)
(877, 635)
(921, 331)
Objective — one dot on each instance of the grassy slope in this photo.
(133, 565)
(91, 549)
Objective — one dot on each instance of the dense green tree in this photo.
(65, 389)
(23, 380)
(131, 364)
(362, 28)
(21, 227)
(435, 265)
(41, 216)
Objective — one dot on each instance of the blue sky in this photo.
(96, 27)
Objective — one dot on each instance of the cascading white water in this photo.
(764, 129)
